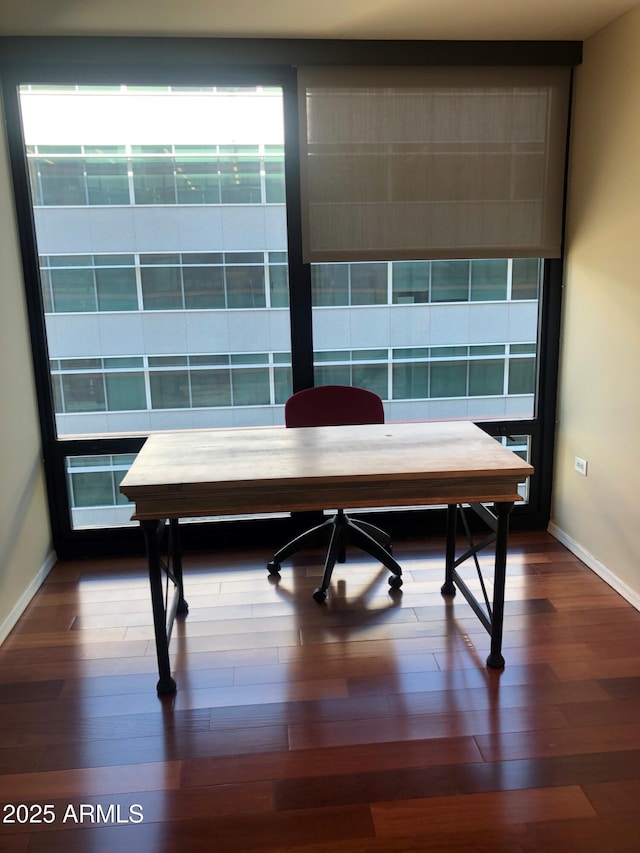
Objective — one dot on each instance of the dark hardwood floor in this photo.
(367, 724)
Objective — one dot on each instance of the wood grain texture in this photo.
(273, 469)
(368, 725)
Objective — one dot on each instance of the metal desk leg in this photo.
(503, 511)
(176, 561)
(449, 587)
(151, 529)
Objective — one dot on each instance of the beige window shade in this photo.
(421, 163)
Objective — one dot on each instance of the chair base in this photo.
(341, 531)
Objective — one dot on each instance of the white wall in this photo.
(599, 411)
(25, 538)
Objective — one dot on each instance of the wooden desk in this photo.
(269, 469)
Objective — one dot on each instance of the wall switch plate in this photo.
(581, 466)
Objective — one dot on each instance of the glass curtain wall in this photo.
(164, 250)
(435, 339)
(161, 233)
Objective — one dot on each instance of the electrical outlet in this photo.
(581, 466)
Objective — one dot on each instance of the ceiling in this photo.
(340, 19)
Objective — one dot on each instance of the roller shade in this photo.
(427, 163)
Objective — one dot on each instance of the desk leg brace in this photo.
(163, 615)
(494, 620)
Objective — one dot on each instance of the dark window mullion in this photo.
(299, 272)
(548, 350)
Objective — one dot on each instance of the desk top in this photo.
(273, 469)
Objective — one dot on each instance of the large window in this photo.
(161, 229)
(171, 285)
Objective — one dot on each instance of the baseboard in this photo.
(21, 604)
(596, 566)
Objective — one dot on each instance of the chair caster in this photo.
(395, 581)
(320, 595)
(273, 568)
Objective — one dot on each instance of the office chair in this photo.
(337, 405)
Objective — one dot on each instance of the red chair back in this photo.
(333, 405)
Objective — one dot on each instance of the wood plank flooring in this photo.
(368, 724)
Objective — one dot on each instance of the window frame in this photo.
(244, 62)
